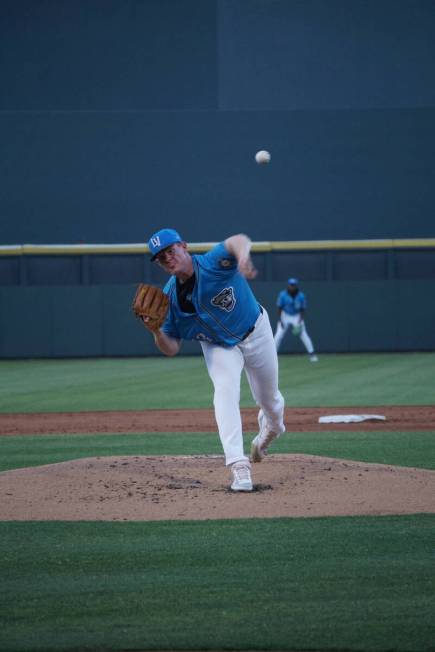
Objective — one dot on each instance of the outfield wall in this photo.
(366, 296)
(120, 117)
(73, 321)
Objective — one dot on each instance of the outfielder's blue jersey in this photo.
(291, 305)
(225, 305)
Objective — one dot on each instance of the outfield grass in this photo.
(414, 449)
(356, 584)
(158, 382)
(272, 584)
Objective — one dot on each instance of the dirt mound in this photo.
(196, 487)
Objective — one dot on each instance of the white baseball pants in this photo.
(257, 355)
(292, 320)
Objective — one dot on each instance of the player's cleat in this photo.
(262, 441)
(314, 358)
(241, 477)
(260, 445)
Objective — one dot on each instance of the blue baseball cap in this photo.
(293, 281)
(161, 240)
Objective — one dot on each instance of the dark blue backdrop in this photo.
(121, 116)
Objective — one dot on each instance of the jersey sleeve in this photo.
(169, 325)
(302, 301)
(219, 259)
(169, 328)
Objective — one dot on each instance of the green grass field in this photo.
(279, 584)
(347, 583)
(413, 449)
(141, 383)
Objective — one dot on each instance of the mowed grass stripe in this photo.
(182, 382)
(412, 449)
(355, 583)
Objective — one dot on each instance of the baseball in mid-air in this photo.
(262, 157)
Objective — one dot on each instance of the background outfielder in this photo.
(211, 301)
(291, 310)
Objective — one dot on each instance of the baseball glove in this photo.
(297, 329)
(151, 305)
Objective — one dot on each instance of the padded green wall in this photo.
(342, 316)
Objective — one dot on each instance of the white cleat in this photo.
(314, 358)
(256, 452)
(262, 441)
(241, 477)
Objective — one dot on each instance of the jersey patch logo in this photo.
(225, 262)
(225, 299)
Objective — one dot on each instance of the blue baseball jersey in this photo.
(291, 305)
(225, 305)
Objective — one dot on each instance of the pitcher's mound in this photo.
(143, 488)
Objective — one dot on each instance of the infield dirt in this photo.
(197, 487)
(296, 419)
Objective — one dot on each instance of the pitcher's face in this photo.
(176, 260)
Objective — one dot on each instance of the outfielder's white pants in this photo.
(257, 355)
(292, 320)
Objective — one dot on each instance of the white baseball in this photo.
(262, 157)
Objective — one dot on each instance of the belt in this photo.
(248, 332)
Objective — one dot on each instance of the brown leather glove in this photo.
(151, 305)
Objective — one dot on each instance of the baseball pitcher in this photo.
(207, 298)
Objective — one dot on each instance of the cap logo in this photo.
(155, 241)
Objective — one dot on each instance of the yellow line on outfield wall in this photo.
(352, 244)
(278, 245)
